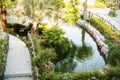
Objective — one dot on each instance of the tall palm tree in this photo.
(42, 8)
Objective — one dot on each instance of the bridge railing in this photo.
(36, 74)
(104, 20)
(32, 48)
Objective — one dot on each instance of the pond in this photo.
(83, 54)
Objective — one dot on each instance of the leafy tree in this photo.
(56, 9)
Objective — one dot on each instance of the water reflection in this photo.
(83, 53)
(67, 64)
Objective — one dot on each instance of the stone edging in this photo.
(18, 75)
(98, 37)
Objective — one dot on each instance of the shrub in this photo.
(2, 57)
(104, 28)
(112, 73)
(43, 55)
(52, 36)
(17, 28)
(99, 4)
(112, 13)
(114, 55)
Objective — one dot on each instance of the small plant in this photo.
(112, 13)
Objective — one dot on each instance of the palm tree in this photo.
(41, 8)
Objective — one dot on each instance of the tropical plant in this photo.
(41, 8)
(46, 8)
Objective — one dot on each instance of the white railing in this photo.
(32, 45)
(104, 20)
(34, 55)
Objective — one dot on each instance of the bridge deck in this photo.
(18, 65)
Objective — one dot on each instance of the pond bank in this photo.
(98, 37)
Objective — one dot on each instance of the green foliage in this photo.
(2, 56)
(53, 37)
(43, 55)
(6, 3)
(105, 29)
(102, 27)
(112, 13)
(114, 55)
(99, 4)
(71, 13)
(59, 4)
(48, 45)
(84, 52)
(47, 75)
(19, 29)
(111, 73)
(102, 1)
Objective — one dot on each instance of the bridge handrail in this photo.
(32, 44)
(36, 74)
(106, 21)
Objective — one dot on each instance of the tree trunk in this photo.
(3, 15)
(85, 9)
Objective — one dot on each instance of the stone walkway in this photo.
(18, 65)
(104, 13)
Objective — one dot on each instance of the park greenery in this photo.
(50, 44)
(3, 50)
(2, 57)
(112, 39)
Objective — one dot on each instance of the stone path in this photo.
(104, 13)
(18, 65)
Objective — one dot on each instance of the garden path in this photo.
(104, 13)
(18, 65)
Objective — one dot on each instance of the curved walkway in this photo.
(104, 14)
(18, 65)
